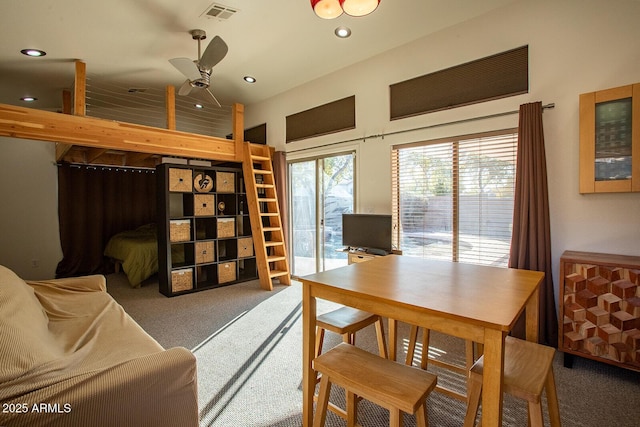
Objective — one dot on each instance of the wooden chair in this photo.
(470, 357)
(346, 321)
(528, 369)
(396, 387)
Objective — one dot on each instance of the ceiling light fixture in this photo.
(199, 106)
(342, 32)
(33, 52)
(330, 9)
(28, 99)
(249, 79)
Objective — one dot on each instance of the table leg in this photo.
(308, 353)
(393, 338)
(492, 378)
(532, 313)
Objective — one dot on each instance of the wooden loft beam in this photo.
(140, 142)
(93, 153)
(171, 107)
(238, 130)
(28, 123)
(80, 90)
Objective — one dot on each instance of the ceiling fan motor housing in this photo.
(204, 82)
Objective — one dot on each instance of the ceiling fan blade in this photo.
(185, 89)
(214, 53)
(187, 67)
(213, 97)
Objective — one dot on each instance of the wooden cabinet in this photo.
(204, 234)
(610, 140)
(600, 308)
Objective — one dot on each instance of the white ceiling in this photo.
(279, 42)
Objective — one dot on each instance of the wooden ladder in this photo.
(264, 212)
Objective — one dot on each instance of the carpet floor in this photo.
(248, 345)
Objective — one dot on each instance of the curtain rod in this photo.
(454, 122)
(138, 169)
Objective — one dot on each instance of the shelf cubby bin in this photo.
(179, 230)
(180, 180)
(245, 247)
(204, 205)
(227, 272)
(225, 182)
(226, 227)
(205, 252)
(182, 280)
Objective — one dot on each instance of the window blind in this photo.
(453, 199)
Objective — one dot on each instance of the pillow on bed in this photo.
(24, 332)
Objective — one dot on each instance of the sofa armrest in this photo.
(159, 389)
(96, 282)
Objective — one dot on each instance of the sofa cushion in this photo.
(24, 333)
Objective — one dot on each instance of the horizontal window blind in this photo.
(453, 200)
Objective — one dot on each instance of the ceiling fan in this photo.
(198, 72)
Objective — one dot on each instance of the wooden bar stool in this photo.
(424, 360)
(346, 321)
(528, 369)
(396, 387)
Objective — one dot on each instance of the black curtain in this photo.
(94, 203)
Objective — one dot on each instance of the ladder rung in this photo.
(258, 157)
(271, 243)
(264, 229)
(264, 185)
(262, 172)
(274, 258)
(277, 273)
(268, 200)
(269, 214)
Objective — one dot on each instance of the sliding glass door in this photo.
(321, 191)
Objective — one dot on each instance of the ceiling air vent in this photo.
(219, 11)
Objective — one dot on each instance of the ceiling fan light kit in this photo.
(330, 9)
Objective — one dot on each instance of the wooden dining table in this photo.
(473, 302)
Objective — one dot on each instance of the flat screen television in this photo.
(367, 231)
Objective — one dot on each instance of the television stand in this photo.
(355, 256)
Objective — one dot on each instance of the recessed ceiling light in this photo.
(28, 99)
(33, 52)
(249, 79)
(343, 32)
(199, 106)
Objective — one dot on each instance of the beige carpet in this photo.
(248, 345)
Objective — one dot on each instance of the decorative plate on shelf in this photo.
(202, 183)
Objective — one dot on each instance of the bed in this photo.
(137, 252)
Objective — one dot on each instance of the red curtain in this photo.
(531, 241)
(94, 203)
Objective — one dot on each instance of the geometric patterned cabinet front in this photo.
(600, 308)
